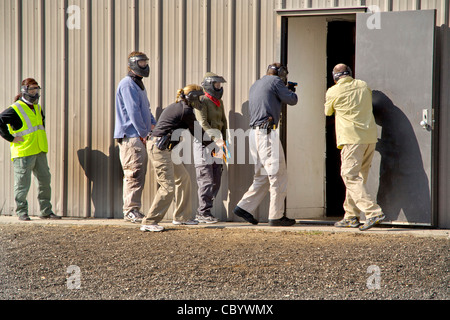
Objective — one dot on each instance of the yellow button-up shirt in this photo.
(351, 101)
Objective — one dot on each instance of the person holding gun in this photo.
(266, 97)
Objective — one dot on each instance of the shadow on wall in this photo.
(403, 183)
(106, 184)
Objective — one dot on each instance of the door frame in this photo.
(283, 16)
(283, 22)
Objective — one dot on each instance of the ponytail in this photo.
(180, 95)
(18, 97)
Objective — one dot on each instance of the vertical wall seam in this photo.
(136, 24)
(447, 13)
(183, 35)
(42, 57)
(111, 158)
(19, 40)
(257, 37)
(159, 53)
(88, 106)
(232, 174)
(65, 112)
(207, 36)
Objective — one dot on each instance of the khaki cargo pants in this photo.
(270, 173)
(174, 182)
(356, 160)
(134, 159)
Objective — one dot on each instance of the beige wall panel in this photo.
(32, 51)
(79, 70)
(268, 50)
(53, 99)
(78, 115)
(97, 157)
(9, 87)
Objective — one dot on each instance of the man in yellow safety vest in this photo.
(22, 124)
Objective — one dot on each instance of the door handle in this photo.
(426, 122)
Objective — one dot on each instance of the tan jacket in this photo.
(351, 101)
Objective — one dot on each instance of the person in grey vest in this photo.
(266, 97)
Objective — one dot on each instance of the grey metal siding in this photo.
(79, 70)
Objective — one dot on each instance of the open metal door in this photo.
(395, 56)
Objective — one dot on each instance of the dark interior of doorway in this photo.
(340, 49)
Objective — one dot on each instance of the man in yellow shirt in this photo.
(356, 134)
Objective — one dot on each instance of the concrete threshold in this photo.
(300, 226)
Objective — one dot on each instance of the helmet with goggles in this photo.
(212, 84)
(139, 65)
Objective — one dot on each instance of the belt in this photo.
(273, 127)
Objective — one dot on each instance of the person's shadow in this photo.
(403, 182)
(106, 181)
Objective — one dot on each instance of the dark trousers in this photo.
(208, 180)
(209, 177)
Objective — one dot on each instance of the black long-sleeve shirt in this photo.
(179, 116)
(10, 116)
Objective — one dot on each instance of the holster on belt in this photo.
(163, 143)
(268, 125)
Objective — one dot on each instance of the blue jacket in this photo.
(266, 97)
(133, 115)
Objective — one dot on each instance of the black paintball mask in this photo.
(210, 85)
(193, 98)
(139, 65)
(31, 95)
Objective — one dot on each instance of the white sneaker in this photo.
(134, 216)
(206, 218)
(188, 222)
(151, 227)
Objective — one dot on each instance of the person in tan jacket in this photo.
(356, 134)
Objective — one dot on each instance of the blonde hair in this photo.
(182, 92)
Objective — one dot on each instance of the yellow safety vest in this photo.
(32, 131)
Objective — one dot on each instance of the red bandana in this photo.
(215, 100)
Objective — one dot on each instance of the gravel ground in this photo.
(117, 262)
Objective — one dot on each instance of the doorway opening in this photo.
(341, 42)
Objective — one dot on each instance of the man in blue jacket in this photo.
(134, 122)
(265, 100)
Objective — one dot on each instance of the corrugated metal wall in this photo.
(77, 50)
